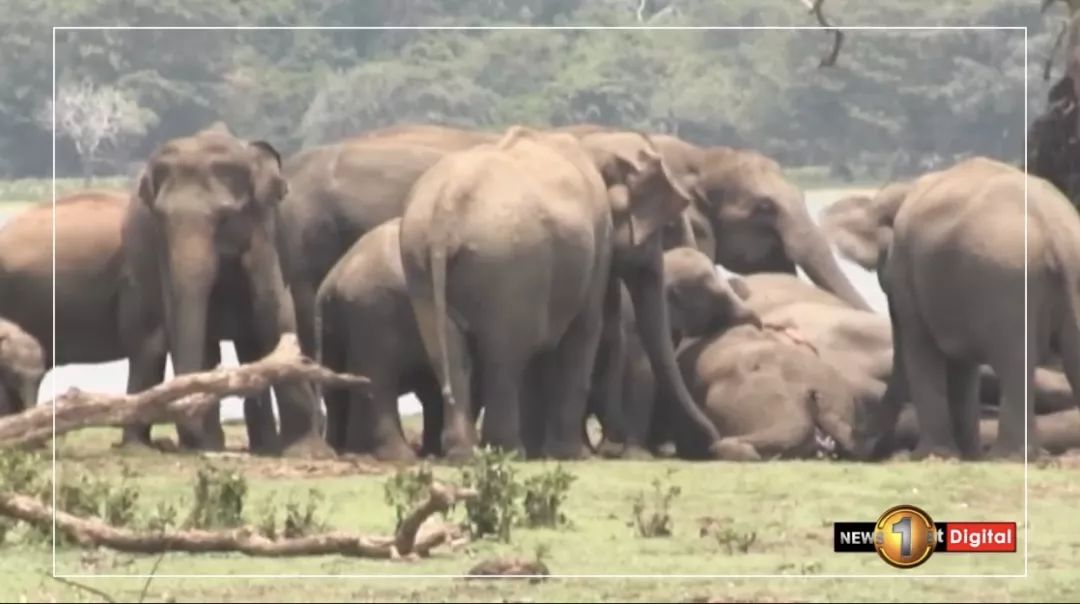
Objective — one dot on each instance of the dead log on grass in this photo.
(409, 542)
(171, 401)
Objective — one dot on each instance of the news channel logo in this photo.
(905, 536)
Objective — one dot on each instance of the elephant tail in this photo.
(438, 284)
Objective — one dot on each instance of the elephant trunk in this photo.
(190, 269)
(808, 247)
(646, 286)
(29, 393)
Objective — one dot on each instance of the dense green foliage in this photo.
(896, 101)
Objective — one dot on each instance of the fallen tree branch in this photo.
(175, 400)
(93, 532)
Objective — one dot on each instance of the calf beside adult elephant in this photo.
(201, 241)
(950, 248)
(22, 365)
(365, 326)
(509, 252)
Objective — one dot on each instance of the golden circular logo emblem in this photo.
(905, 536)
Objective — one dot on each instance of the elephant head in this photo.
(22, 366)
(212, 202)
(748, 217)
(701, 301)
(645, 197)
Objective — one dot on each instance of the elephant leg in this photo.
(535, 398)
(427, 390)
(212, 434)
(926, 378)
(1016, 408)
(258, 410)
(336, 399)
(501, 372)
(643, 434)
(963, 384)
(374, 423)
(573, 363)
(611, 363)
(144, 371)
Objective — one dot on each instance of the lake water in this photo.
(112, 377)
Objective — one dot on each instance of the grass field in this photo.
(790, 506)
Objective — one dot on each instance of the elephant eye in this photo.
(763, 206)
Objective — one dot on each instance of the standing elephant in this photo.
(97, 316)
(202, 242)
(950, 250)
(509, 252)
(365, 326)
(339, 192)
(22, 365)
(746, 215)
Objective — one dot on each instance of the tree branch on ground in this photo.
(411, 540)
(171, 401)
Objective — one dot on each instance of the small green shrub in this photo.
(219, 499)
(406, 489)
(495, 509)
(545, 494)
(652, 517)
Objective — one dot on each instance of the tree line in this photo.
(894, 104)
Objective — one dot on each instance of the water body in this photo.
(112, 377)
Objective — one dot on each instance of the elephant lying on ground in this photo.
(365, 326)
(950, 251)
(769, 397)
(201, 240)
(509, 253)
(700, 303)
(22, 365)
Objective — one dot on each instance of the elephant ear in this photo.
(656, 197)
(268, 183)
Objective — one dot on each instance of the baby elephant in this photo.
(365, 326)
(22, 366)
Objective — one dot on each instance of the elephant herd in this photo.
(520, 282)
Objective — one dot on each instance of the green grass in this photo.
(790, 505)
(33, 190)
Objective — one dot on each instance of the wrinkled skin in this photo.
(949, 248)
(509, 268)
(769, 396)
(97, 316)
(201, 238)
(700, 302)
(22, 365)
(336, 195)
(746, 215)
(366, 327)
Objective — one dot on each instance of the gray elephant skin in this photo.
(22, 366)
(950, 251)
(201, 238)
(365, 326)
(508, 253)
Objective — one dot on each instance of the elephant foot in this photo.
(731, 449)
(460, 453)
(636, 453)
(926, 452)
(568, 451)
(1012, 454)
(309, 447)
(396, 452)
(665, 450)
(609, 449)
(135, 446)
